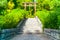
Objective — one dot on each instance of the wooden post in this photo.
(29, 9)
(34, 7)
(25, 6)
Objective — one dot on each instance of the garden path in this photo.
(32, 30)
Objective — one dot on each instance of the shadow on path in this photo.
(20, 28)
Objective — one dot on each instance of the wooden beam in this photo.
(34, 7)
(30, 4)
(25, 6)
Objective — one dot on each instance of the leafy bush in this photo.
(59, 20)
(1, 21)
(48, 4)
(3, 7)
(3, 3)
(57, 11)
(48, 18)
(42, 15)
(10, 4)
(12, 19)
(3, 12)
(51, 21)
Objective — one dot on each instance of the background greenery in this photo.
(12, 12)
(49, 13)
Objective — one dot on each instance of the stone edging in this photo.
(52, 33)
(7, 33)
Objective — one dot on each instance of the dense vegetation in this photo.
(12, 19)
(49, 13)
(10, 15)
(12, 12)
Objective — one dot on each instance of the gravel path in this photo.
(31, 26)
(31, 37)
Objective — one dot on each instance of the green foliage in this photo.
(57, 11)
(51, 21)
(12, 19)
(11, 13)
(3, 3)
(3, 6)
(48, 18)
(3, 12)
(51, 17)
(59, 20)
(48, 4)
(10, 4)
(42, 15)
(1, 21)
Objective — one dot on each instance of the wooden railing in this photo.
(52, 33)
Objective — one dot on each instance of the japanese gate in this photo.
(30, 4)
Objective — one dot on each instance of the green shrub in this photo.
(12, 19)
(3, 7)
(3, 4)
(1, 21)
(42, 15)
(48, 18)
(3, 12)
(51, 21)
(59, 20)
(57, 11)
(48, 4)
